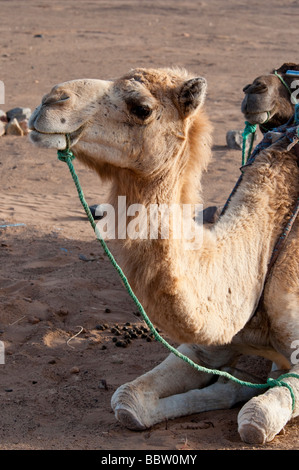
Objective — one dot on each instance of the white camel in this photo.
(148, 134)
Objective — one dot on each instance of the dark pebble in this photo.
(133, 335)
(121, 344)
(107, 310)
(8, 389)
(115, 331)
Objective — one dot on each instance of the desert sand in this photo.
(55, 282)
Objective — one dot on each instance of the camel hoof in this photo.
(252, 434)
(128, 419)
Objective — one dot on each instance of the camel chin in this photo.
(50, 141)
(257, 118)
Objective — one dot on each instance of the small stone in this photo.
(3, 117)
(234, 140)
(121, 344)
(103, 384)
(107, 310)
(52, 361)
(2, 128)
(19, 114)
(75, 370)
(8, 389)
(24, 126)
(13, 128)
(33, 320)
(103, 347)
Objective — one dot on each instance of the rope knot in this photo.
(279, 382)
(249, 129)
(275, 383)
(64, 155)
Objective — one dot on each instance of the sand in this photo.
(55, 389)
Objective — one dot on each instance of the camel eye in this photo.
(142, 112)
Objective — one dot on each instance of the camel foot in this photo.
(131, 408)
(251, 434)
(263, 417)
(128, 418)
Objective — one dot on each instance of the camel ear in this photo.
(192, 95)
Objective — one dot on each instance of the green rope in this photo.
(249, 130)
(283, 81)
(67, 156)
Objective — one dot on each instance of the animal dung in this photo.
(124, 335)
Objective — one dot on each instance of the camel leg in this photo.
(174, 389)
(264, 417)
(222, 394)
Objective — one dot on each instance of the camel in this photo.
(267, 100)
(149, 135)
(268, 104)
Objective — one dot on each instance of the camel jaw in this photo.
(54, 140)
(258, 118)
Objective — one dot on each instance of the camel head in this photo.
(139, 122)
(267, 101)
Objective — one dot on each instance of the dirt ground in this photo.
(55, 389)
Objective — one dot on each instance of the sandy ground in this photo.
(55, 393)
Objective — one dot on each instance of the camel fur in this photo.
(148, 134)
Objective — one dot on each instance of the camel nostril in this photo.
(63, 98)
(55, 99)
(245, 89)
